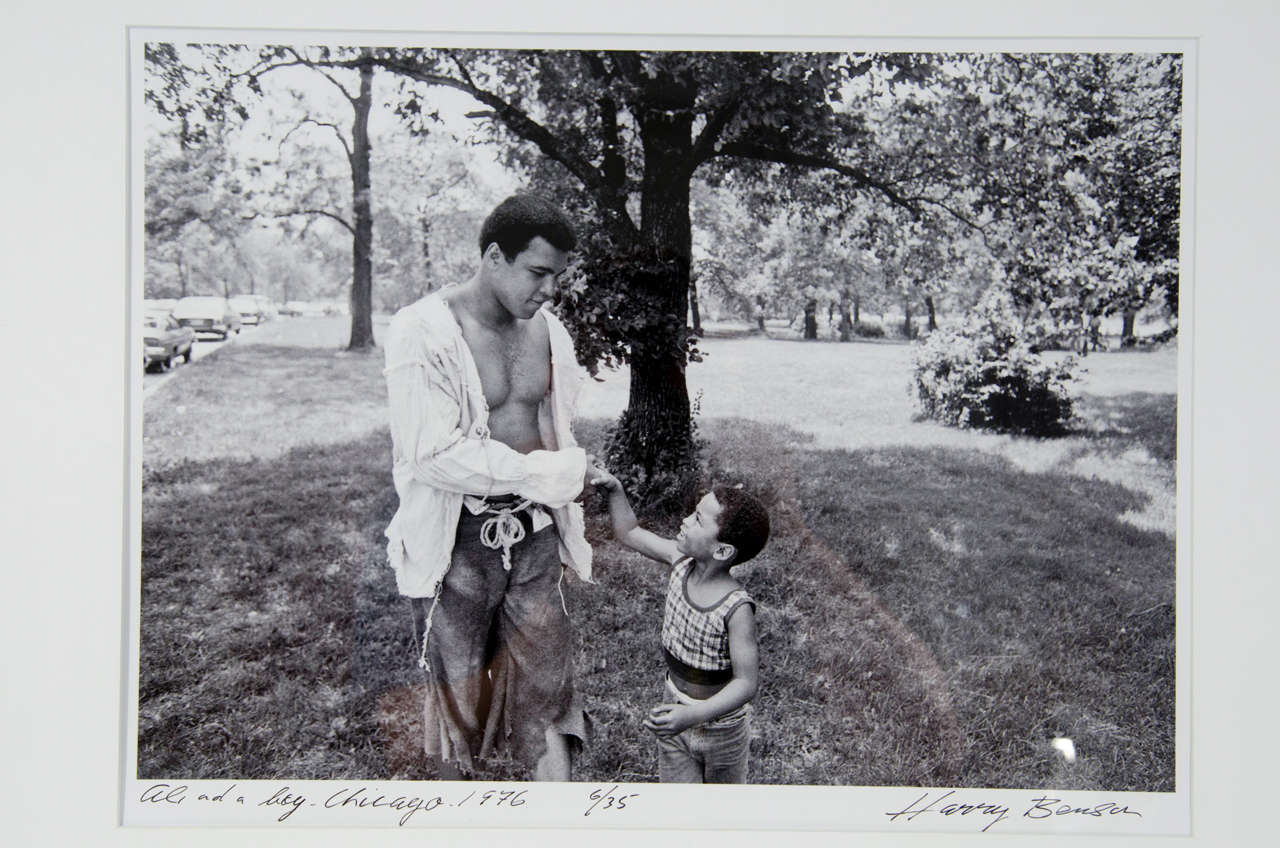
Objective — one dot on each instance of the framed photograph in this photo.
(972, 305)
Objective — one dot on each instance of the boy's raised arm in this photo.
(626, 529)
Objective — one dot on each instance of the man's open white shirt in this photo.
(442, 450)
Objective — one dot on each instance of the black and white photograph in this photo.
(633, 416)
(481, 424)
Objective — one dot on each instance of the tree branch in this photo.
(515, 119)
(319, 68)
(613, 164)
(628, 64)
(258, 69)
(321, 212)
(761, 153)
(704, 145)
(441, 189)
(462, 69)
(309, 120)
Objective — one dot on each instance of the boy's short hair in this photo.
(744, 522)
(520, 219)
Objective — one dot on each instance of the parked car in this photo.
(249, 308)
(164, 340)
(212, 315)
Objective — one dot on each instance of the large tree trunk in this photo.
(362, 242)
(1127, 338)
(906, 319)
(811, 319)
(693, 306)
(425, 223)
(933, 315)
(654, 436)
(846, 323)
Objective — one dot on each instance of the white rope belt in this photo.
(503, 529)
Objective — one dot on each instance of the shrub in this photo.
(984, 375)
(657, 492)
(1162, 337)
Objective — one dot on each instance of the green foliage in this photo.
(1078, 157)
(197, 217)
(616, 306)
(985, 375)
(1160, 338)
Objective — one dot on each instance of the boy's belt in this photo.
(693, 674)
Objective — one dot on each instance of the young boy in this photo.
(708, 632)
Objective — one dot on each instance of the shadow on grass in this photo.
(1026, 603)
(1138, 419)
(926, 617)
(273, 642)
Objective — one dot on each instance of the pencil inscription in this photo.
(950, 804)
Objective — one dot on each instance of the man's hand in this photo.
(670, 719)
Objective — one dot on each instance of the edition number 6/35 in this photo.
(609, 799)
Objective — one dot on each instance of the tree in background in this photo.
(326, 180)
(1078, 159)
(430, 198)
(1133, 158)
(619, 136)
(726, 247)
(203, 86)
(195, 218)
(1062, 167)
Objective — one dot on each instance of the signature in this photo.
(1042, 807)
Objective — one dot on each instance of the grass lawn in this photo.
(934, 607)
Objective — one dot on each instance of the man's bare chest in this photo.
(514, 367)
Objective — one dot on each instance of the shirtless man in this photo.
(482, 384)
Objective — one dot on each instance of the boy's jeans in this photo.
(714, 752)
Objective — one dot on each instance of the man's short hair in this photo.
(744, 522)
(520, 219)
